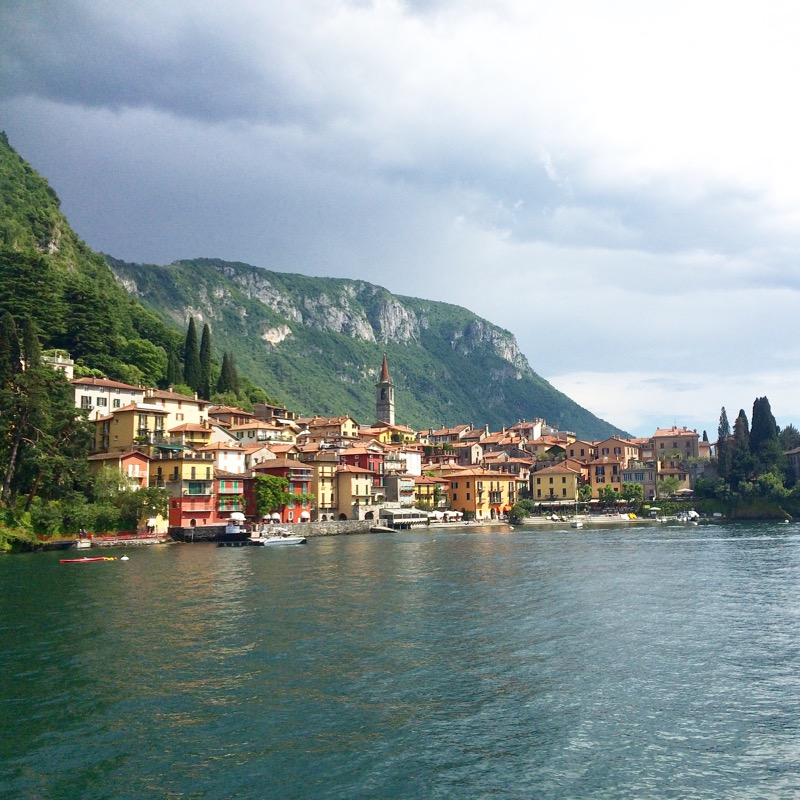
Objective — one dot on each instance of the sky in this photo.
(615, 183)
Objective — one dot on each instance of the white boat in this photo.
(576, 523)
(286, 538)
(83, 544)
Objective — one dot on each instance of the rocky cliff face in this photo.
(316, 344)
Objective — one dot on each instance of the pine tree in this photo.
(204, 389)
(9, 349)
(191, 357)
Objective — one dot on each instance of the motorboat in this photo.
(576, 523)
(277, 537)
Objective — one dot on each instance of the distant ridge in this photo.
(317, 344)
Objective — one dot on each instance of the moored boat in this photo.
(86, 560)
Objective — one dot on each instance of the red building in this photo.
(299, 476)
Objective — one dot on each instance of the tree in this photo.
(668, 486)
(45, 439)
(741, 461)
(585, 493)
(608, 494)
(228, 378)
(191, 357)
(271, 493)
(789, 438)
(174, 373)
(633, 493)
(204, 389)
(724, 446)
(764, 445)
(10, 355)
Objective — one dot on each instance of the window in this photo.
(102, 401)
(86, 402)
(468, 496)
(563, 480)
(117, 402)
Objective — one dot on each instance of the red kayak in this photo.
(86, 560)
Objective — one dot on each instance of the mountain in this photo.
(316, 344)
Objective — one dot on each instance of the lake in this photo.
(648, 661)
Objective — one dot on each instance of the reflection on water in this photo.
(619, 663)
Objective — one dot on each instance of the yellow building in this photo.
(557, 483)
(137, 424)
(616, 447)
(605, 471)
(431, 493)
(180, 408)
(330, 428)
(354, 498)
(323, 483)
(481, 493)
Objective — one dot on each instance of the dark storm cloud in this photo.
(82, 53)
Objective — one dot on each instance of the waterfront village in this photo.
(208, 458)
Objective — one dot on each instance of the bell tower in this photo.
(384, 396)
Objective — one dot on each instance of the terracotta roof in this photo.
(384, 370)
(252, 426)
(162, 394)
(673, 431)
(557, 469)
(140, 407)
(105, 383)
(223, 446)
(357, 470)
(186, 427)
(118, 456)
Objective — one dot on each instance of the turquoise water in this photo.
(640, 662)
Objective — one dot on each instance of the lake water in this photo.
(638, 662)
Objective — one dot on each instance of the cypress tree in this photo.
(223, 382)
(741, 460)
(174, 374)
(228, 377)
(204, 389)
(191, 357)
(764, 445)
(724, 446)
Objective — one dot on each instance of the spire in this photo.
(384, 370)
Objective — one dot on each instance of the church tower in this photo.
(384, 396)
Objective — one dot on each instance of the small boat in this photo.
(576, 523)
(286, 538)
(83, 544)
(86, 560)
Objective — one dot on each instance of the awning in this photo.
(275, 515)
(237, 515)
(305, 515)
